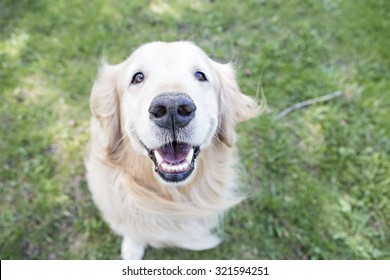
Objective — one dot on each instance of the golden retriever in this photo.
(162, 163)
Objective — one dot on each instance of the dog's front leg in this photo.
(131, 249)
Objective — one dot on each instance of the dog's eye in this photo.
(138, 78)
(200, 76)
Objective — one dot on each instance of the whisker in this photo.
(215, 136)
(118, 142)
(125, 148)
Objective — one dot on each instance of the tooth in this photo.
(184, 166)
(170, 169)
(177, 168)
(190, 155)
(164, 166)
(159, 158)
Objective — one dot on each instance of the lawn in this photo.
(319, 177)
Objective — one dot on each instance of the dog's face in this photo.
(170, 106)
(174, 102)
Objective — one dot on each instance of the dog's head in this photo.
(171, 102)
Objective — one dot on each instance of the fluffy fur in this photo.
(135, 202)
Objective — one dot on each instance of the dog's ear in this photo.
(105, 107)
(234, 106)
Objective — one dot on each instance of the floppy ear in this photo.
(105, 107)
(234, 106)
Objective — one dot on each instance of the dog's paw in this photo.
(130, 250)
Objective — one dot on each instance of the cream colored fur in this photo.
(135, 202)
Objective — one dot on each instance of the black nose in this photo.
(172, 110)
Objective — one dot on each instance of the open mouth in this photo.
(174, 162)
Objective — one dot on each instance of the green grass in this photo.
(320, 177)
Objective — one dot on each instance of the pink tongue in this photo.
(175, 152)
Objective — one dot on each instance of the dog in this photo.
(162, 162)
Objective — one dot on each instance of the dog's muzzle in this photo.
(172, 113)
